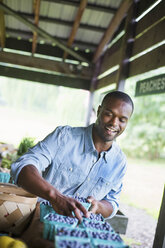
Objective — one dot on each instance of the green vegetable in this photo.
(24, 145)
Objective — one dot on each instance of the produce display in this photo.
(92, 232)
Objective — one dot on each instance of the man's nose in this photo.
(114, 121)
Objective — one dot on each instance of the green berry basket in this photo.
(4, 177)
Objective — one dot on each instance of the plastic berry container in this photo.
(67, 231)
(51, 220)
(4, 177)
(107, 244)
(96, 225)
(48, 231)
(57, 218)
(70, 242)
(105, 235)
(45, 209)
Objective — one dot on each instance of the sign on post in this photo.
(153, 85)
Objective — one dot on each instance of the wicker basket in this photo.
(16, 208)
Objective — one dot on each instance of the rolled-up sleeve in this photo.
(40, 156)
(113, 198)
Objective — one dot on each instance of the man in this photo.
(80, 161)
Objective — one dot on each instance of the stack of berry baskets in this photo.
(45, 208)
(92, 232)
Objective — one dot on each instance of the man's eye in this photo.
(108, 113)
(123, 120)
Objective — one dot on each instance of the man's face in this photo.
(112, 118)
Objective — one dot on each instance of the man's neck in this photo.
(99, 144)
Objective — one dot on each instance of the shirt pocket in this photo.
(101, 188)
(68, 175)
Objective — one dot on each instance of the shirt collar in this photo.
(89, 145)
(88, 141)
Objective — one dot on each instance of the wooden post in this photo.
(126, 47)
(159, 240)
(93, 88)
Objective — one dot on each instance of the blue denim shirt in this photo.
(68, 160)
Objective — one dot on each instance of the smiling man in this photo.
(80, 162)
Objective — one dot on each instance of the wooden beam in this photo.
(153, 36)
(45, 64)
(36, 7)
(110, 60)
(76, 24)
(125, 5)
(127, 46)
(40, 77)
(108, 80)
(151, 18)
(89, 6)
(2, 28)
(147, 62)
(159, 240)
(42, 32)
(27, 35)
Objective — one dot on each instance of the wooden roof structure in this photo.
(81, 44)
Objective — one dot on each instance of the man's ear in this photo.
(98, 110)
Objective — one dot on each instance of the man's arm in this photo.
(30, 179)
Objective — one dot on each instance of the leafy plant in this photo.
(24, 145)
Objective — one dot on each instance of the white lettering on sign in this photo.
(157, 84)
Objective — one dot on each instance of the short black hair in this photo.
(119, 95)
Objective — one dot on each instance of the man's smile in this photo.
(111, 130)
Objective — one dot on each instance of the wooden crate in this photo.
(119, 222)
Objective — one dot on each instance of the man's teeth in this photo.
(111, 129)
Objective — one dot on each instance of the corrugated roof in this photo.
(57, 19)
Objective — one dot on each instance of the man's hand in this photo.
(100, 207)
(94, 205)
(67, 206)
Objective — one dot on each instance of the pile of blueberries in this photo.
(105, 236)
(96, 225)
(96, 217)
(72, 232)
(73, 244)
(61, 218)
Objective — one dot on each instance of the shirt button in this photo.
(77, 194)
(70, 169)
(107, 183)
(88, 178)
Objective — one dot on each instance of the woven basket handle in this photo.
(13, 189)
